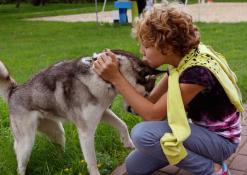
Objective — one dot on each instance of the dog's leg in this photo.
(54, 130)
(24, 129)
(117, 123)
(86, 129)
(88, 149)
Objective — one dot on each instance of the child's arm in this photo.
(189, 91)
(108, 70)
(159, 89)
(147, 109)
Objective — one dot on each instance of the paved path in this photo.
(209, 12)
(237, 162)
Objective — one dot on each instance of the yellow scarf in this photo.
(172, 143)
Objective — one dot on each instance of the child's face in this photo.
(152, 56)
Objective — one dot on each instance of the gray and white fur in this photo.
(68, 90)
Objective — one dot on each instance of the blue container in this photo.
(123, 6)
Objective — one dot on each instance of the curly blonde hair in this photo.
(164, 26)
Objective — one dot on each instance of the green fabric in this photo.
(172, 143)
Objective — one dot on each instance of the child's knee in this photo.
(139, 136)
(145, 135)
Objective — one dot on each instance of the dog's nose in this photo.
(94, 58)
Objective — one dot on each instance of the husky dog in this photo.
(68, 90)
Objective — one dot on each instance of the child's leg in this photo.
(203, 148)
(209, 145)
(138, 163)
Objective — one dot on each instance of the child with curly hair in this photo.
(199, 86)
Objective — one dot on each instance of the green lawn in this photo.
(26, 47)
(28, 10)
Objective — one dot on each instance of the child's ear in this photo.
(168, 50)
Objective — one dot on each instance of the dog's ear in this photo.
(156, 72)
(147, 71)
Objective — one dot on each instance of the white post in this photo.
(96, 11)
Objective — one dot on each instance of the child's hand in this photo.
(107, 66)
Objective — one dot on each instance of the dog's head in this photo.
(144, 75)
(140, 75)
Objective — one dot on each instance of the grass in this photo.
(26, 47)
(28, 10)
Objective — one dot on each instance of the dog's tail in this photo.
(6, 82)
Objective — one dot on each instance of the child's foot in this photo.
(222, 170)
